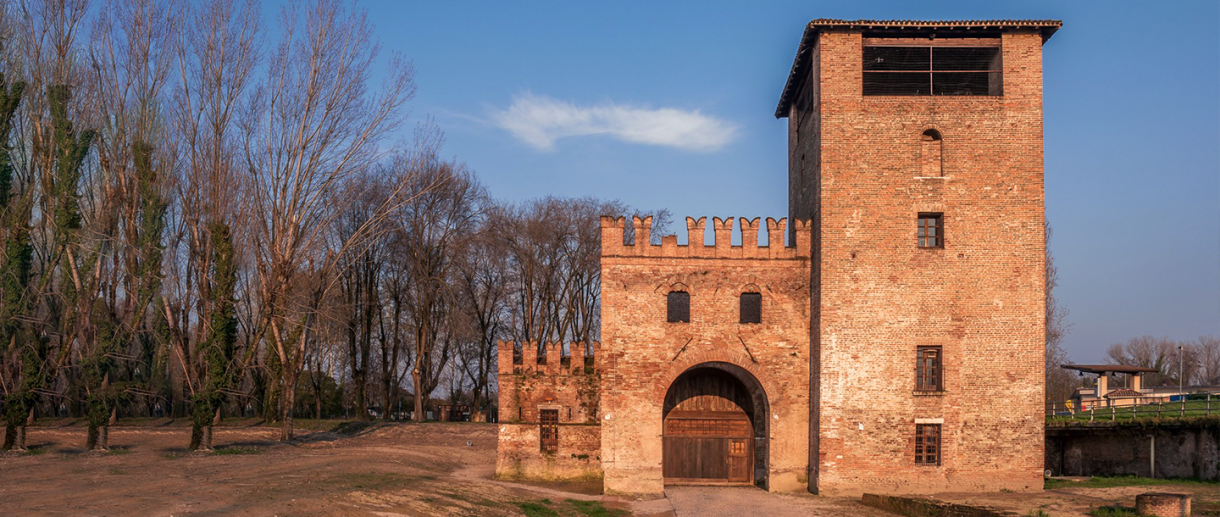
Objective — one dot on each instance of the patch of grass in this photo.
(172, 455)
(537, 508)
(595, 509)
(231, 451)
(118, 452)
(34, 452)
(1037, 513)
(1114, 481)
(1113, 511)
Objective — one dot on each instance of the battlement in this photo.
(553, 362)
(613, 229)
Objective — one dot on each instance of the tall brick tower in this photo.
(915, 149)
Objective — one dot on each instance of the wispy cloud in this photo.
(539, 121)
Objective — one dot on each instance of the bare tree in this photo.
(316, 125)
(435, 227)
(1207, 354)
(1060, 383)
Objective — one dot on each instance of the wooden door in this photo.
(708, 447)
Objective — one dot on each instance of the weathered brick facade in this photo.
(643, 354)
(829, 374)
(566, 384)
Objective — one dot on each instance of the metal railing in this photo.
(1148, 407)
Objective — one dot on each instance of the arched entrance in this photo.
(715, 427)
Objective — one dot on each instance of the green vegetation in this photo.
(1107, 482)
(1148, 413)
(1113, 511)
(1037, 513)
(568, 508)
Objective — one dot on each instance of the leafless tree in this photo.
(1207, 353)
(1060, 383)
(316, 124)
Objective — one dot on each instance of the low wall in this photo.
(1190, 450)
(518, 454)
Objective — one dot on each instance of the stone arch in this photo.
(753, 379)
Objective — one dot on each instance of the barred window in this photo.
(751, 308)
(927, 444)
(548, 430)
(931, 231)
(924, 70)
(678, 307)
(927, 368)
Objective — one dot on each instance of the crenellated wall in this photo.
(534, 377)
(613, 230)
(643, 354)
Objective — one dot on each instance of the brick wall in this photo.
(567, 383)
(643, 354)
(878, 296)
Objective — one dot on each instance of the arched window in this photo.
(751, 308)
(931, 159)
(677, 306)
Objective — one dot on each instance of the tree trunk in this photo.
(98, 440)
(114, 416)
(14, 438)
(287, 399)
(215, 419)
(29, 420)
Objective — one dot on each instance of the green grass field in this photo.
(1191, 409)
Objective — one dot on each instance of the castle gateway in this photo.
(893, 344)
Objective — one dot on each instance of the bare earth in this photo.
(383, 470)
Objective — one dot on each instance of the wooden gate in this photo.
(708, 436)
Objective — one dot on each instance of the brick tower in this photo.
(915, 150)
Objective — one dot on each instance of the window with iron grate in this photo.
(928, 70)
(927, 368)
(548, 430)
(677, 306)
(751, 308)
(927, 444)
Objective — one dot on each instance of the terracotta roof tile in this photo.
(1123, 392)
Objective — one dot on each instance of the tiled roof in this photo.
(932, 24)
(1046, 27)
(1123, 392)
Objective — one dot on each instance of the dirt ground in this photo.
(379, 470)
(384, 470)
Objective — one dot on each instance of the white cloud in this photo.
(540, 120)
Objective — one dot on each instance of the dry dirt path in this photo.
(386, 470)
(692, 501)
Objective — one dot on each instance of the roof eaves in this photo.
(1046, 27)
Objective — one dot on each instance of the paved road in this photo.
(692, 501)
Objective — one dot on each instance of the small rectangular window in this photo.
(927, 368)
(931, 231)
(677, 306)
(751, 307)
(927, 444)
(548, 430)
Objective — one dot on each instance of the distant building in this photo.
(869, 344)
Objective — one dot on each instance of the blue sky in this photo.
(670, 105)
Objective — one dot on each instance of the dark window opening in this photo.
(928, 368)
(678, 307)
(932, 71)
(927, 444)
(931, 231)
(548, 430)
(751, 308)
